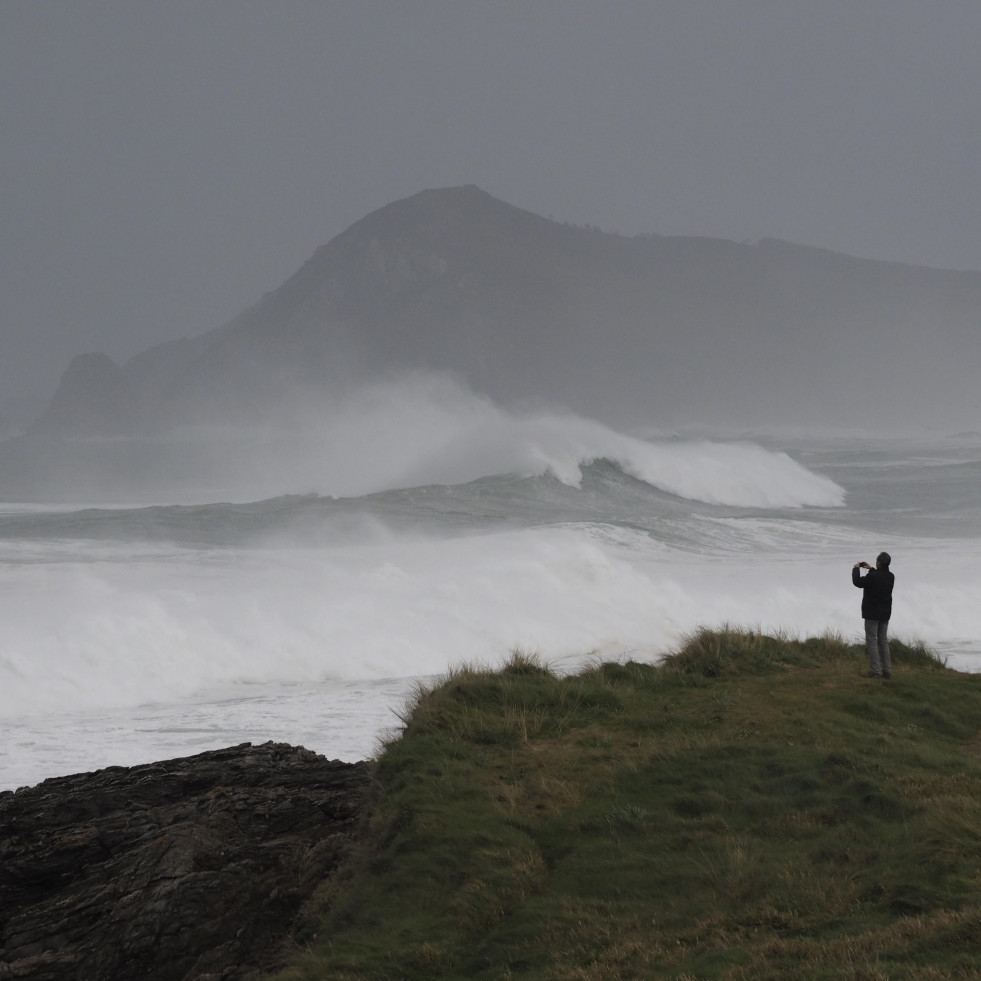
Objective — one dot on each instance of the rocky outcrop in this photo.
(90, 395)
(192, 868)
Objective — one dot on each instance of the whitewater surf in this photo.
(297, 586)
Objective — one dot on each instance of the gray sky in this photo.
(165, 163)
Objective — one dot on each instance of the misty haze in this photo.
(344, 344)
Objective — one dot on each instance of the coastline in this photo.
(749, 807)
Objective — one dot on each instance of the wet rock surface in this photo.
(193, 868)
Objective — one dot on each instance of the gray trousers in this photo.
(877, 646)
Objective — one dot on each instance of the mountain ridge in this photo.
(524, 308)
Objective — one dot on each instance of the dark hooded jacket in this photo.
(877, 596)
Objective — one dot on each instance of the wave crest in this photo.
(435, 432)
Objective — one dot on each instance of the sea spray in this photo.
(428, 429)
(412, 431)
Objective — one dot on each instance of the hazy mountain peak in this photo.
(651, 330)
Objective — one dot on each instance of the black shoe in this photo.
(870, 674)
(887, 674)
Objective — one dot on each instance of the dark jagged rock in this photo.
(192, 868)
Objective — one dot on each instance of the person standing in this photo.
(876, 585)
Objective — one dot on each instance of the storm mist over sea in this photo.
(339, 347)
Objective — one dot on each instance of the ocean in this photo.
(202, 589)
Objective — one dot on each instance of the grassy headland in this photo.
(750, 808)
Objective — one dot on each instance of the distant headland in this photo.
(525, 309)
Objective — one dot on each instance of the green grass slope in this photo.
(750, 808)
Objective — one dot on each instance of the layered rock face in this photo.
(192, 868)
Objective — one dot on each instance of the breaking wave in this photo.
(429, 430)
(415, 431)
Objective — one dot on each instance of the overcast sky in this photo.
(165, 163)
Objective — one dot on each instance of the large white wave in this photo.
(428, 429)
(409, 431)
